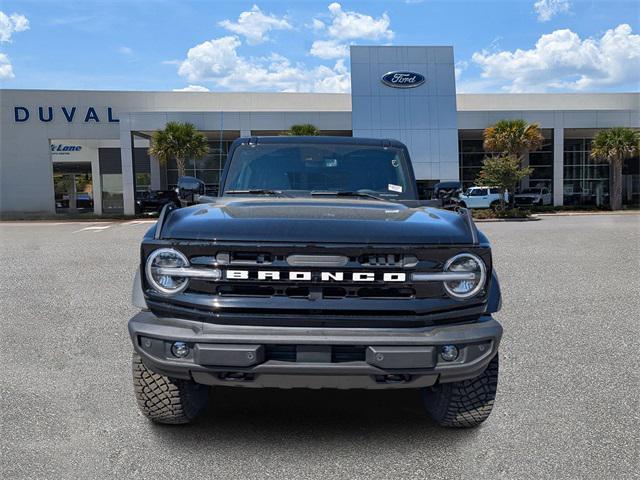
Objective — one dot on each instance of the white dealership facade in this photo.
(94, 142)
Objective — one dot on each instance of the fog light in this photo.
(180, 349)
(449, 353)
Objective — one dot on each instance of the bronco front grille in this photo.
(311, 299)
(301, 291)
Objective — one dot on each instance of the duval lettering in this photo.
(65, 113)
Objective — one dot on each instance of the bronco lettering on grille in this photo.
(307, 276)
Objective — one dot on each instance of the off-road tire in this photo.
(164, 399)
(495, 206)
(463, 404)
(463, 205)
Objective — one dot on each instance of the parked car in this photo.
(533, 196)
(482, 197)
(447, 192)
(83, 201)
(153, 201)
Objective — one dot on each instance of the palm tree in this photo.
(615, 145)
(513, 137)
(303, 130)
(180, 141)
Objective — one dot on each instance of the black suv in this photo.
(316, 266)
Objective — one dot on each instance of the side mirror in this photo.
(189, 189)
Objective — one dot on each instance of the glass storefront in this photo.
(542, 163)
(73, 187)
(472, 155)
(631, 182)
(586, 181)
(207, 169)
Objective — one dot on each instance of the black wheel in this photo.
(463, 404)
(495, 205)
(167, 400)
(463, 205)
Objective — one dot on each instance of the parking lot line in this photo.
(93, 228)
(139, 222)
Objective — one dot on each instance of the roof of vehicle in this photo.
(323, 140)
(450, 184)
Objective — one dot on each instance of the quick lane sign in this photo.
(66, 113)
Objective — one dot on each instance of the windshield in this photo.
(307, 168)
(535, 191)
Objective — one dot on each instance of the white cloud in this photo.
(218, 61)
(192, 88)
(547, 9)
(347, 25)
(10, 24)
(317, 24)
(125, 51)
(460, 67)
(210, 59)
(6, 70)
(561, 60)
(254, 25)
(328, 49)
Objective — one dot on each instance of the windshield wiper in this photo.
(257, 191)
(346, 193)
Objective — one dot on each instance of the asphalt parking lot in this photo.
(567, 405)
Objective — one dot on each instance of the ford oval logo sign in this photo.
(403, 79)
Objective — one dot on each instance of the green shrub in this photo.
(509, 213)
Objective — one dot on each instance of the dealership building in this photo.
(87, 150)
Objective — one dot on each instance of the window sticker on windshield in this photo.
(395, 162)
(394, 188)
(331, 162)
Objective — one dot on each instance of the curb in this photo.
(490, 220)
(578, 214)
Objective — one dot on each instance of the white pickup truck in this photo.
(533, 196)
(482, 197)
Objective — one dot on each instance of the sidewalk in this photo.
(596, 212)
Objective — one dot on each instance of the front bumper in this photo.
(252, 356)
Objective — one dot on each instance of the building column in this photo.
(126, 158)
(96, 184)
(558, 166)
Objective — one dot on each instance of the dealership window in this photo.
(142, 169)
(111, 180)
(472, 154)
(425, 188)
(207, 169)
(541, 161)
(586, 181)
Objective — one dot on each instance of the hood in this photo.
(527, 195)
(316, 220)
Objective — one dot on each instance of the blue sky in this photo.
(514, 46)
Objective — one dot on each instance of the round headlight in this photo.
(158, 270)
(465, 263)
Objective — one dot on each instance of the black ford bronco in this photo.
(316, 266)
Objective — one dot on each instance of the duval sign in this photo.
(67, 114)
(403, 79)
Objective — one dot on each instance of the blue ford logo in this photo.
(403, 79)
